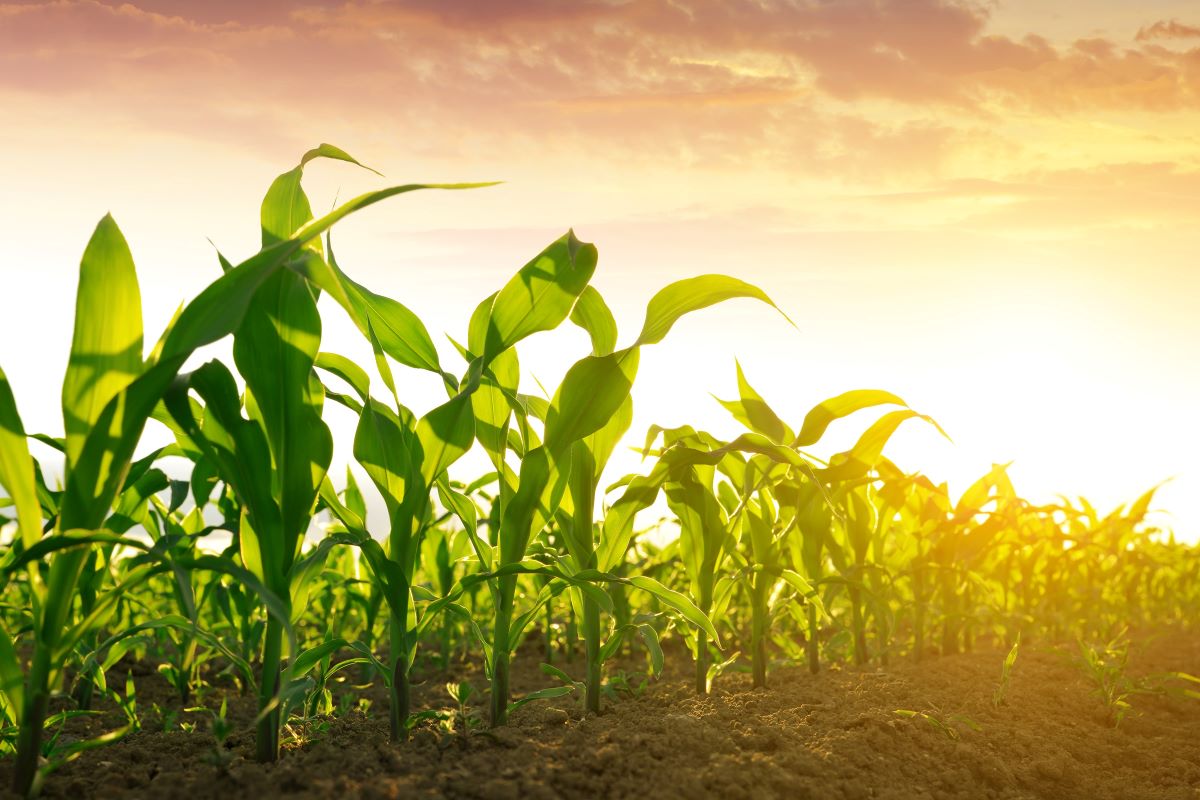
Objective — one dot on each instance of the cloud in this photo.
(875, 93)
(1168, 29)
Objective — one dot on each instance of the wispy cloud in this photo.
(1168, 29)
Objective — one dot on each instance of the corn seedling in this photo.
(948, 726)
(1001, 693)
(1104, 666)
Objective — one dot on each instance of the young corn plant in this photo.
(109, 392)
(1000, 695)
(1105, 668)
(579, 427)
(588, 456)
(275, 458)
(800, 484)
(407, 458)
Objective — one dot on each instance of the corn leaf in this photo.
(538, 298)
(17, 475)
(106, 349)
(692, 294)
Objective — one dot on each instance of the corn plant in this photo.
(582, 422)
(1105, 668)
(1000, 695)
(109, 392)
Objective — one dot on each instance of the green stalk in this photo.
(401, 702)
(622, 613)
(706, 591)
(950, 610)
(65, 570)
(266, 736)
(83, 693)
(859, 625)
(445, 643)
(571, 636)
(33, 720)
(882, 634)
(401, 696)
(812, 645)
(445, 581)
(918, 611)
(186, 669)
(502, 650)
(85, 689)
(758, 629)
(964, 626)
(591, 643)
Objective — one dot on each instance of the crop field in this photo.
(236, 614)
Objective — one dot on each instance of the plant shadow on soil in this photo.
(832, 735)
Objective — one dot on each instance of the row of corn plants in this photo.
(238, 553)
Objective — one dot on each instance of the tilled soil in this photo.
(833, 735)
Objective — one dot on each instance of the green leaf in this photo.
(276, 605)
(106, 349)
(753, 412)
(353, 496)
(538, 298)
(347, 370)
(821, 415)
(446, 434)
(464, 508)
(12, 677)
(275, 349)
(541, 694)
(238, 448)
(692, 294)
(617, 527)
(679, 602)
(218, 310)
(521, 510)
(650, 638)
(16, 467)
(383, 444)
(805, 590)
(310, 658)
(591, 393)
(593, 315)
(285, 208)
(588, 458)
(338, 154)
(400, 333)
(868, 450)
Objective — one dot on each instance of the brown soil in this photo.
(834, 735)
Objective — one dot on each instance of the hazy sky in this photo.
(991, 209)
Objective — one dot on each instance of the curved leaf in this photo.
(692, 294)
(821, 415)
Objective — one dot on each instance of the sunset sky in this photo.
(991, 209)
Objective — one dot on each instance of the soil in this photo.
(832, 735)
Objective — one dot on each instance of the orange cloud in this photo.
(1168, 29)
(743, 84)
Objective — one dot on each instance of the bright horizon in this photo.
(990, 210)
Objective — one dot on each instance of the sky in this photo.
(988, 208)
